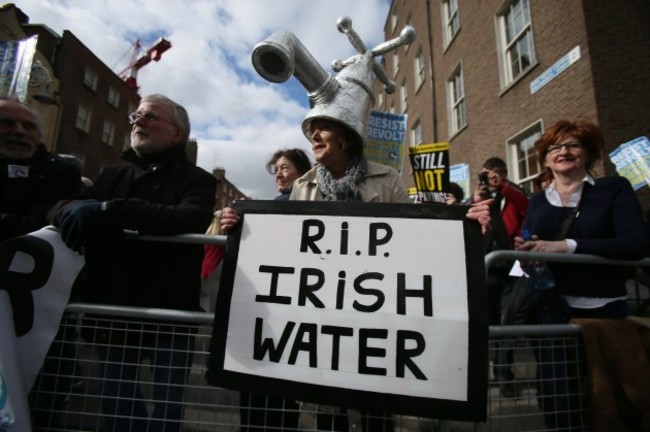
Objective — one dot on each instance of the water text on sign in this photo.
(363, 292)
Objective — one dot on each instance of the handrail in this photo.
(501, 255)
(217, 240)
(196, 317)
(490, 258)
(207, 318)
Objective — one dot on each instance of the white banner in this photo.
(37, 272)
(398, 324)
(363, 305)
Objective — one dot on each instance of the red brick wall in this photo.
(608, 84)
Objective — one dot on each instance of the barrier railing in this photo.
(68, 391)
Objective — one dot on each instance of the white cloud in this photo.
(238, 118)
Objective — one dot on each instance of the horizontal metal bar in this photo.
(502, 255)
(207, 318)
(140, 313)
(217, 240)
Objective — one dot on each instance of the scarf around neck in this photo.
(345, 188)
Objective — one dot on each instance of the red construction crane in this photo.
(130, 73)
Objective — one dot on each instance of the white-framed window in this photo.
(84, 115)
(418, 67)
(393, 20)
(515, 39)
(403, 96)
(456, 101)
(395, 62)
(108, 132)
(525, 166)
(451, 21)
(113, 97)
(416, 133)
(90, 78)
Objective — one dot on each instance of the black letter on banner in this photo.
(273, 297)
(262, 347)
(426, 294)
(374, 241)
(336, 333)
(19, 286)
(310, 346)
(381, 298)
(365, 351)
(403, 357)
(309, 240)
(306, 291)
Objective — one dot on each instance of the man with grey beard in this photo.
(156, 192)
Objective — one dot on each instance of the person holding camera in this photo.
(507, 216)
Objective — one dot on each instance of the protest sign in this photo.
(430, 163)
(37, 272)
(331, 303)
(15, 66)
(386, 136)
(459, 174)
(632, 160)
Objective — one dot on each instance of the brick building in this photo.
(226, 191)
(87, 105)
(490, 76)
(95, 102)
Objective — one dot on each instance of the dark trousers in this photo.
(497, 282)
(123, 404)
(558, 376)
(47, 399)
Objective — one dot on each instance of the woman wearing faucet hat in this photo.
(342, 172)
(336, 126)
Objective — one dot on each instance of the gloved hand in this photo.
(83, 221)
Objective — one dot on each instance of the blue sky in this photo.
(238, 118)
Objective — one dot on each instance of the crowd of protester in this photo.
(157, 191)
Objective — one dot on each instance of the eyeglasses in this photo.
(282, 168)
(147, 117)
(569, 146)
(28, 126)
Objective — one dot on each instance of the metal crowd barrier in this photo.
(67, 391)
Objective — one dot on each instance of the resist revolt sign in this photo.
(332, 303)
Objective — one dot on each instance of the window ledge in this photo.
(516, 81)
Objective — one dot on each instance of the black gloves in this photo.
(84, 221)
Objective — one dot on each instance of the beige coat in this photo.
(382, 184)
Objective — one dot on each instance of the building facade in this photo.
(84, 104)
(95, 102)
(490, 76)
(227, 192)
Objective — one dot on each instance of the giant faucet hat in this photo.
(346, 98)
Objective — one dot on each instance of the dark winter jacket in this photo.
(609, 223)
(30, 187)
(168, 196)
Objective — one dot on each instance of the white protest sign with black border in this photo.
(361, 305)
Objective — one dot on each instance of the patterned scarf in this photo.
(345, 188)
